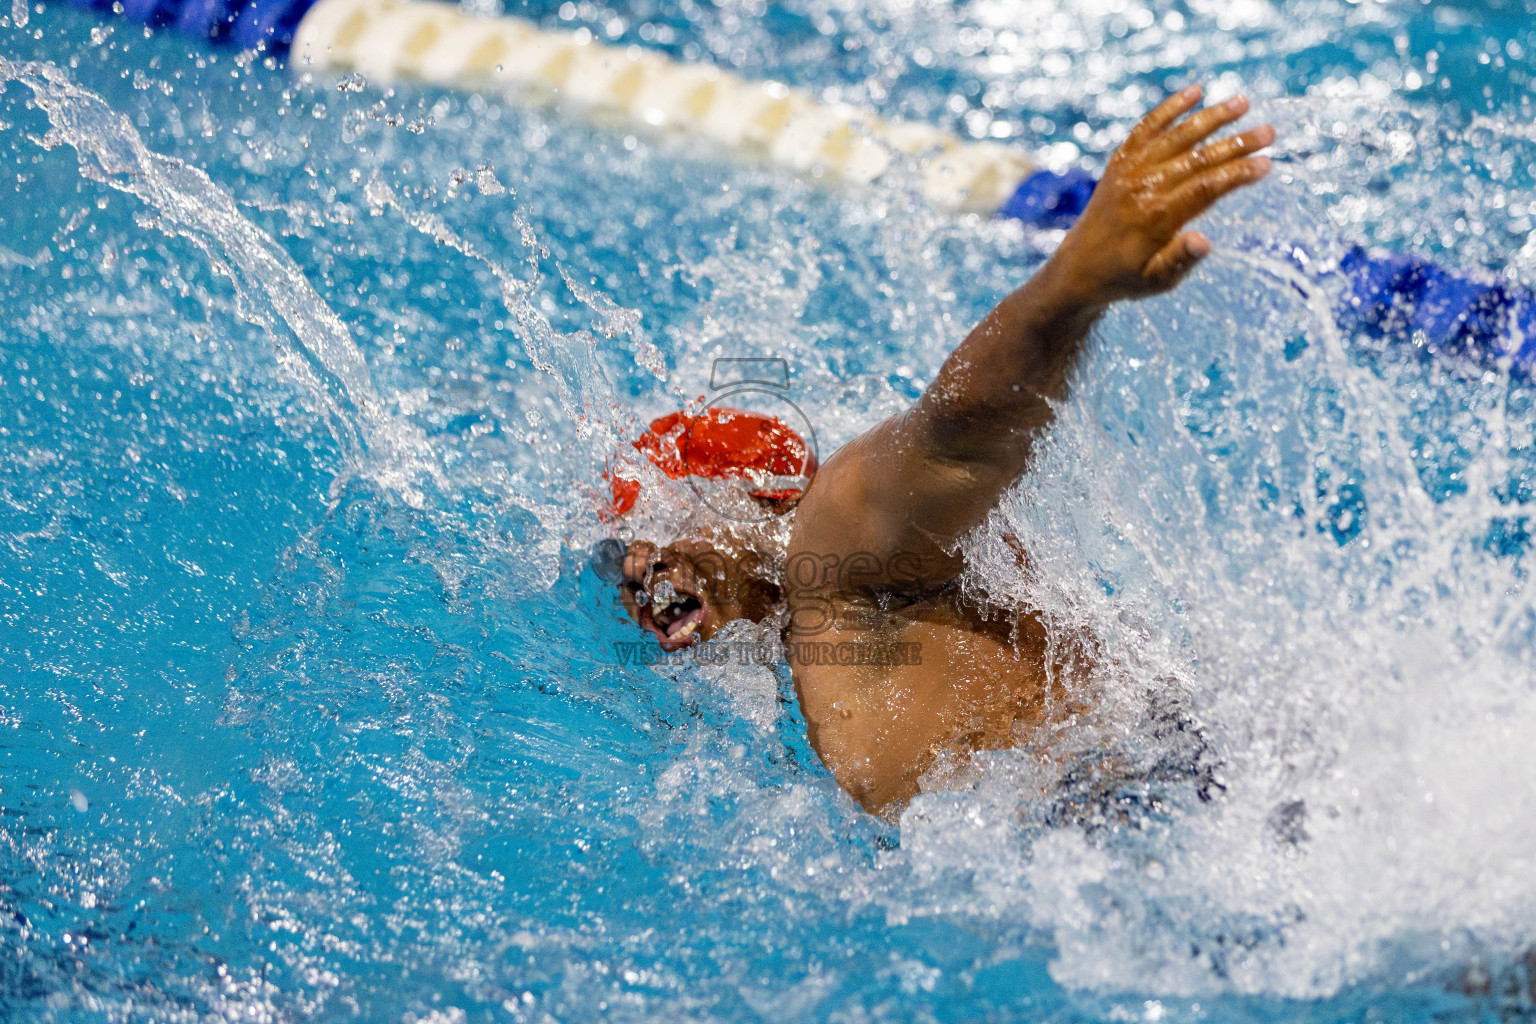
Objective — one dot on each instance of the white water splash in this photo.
(1365, 703)
(378, 439)
(571, 360)
(271, 291)
(1315, 672)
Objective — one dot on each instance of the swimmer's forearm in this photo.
(998, 386)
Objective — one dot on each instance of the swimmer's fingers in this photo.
(1183, 167)
(1176, 259)
(1167, 112)
(1196, 195)
(1189, 133)
(1130, 239)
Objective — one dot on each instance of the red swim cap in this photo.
(720, 444)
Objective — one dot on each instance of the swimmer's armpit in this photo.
(920, 481)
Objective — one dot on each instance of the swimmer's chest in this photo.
(884, 694)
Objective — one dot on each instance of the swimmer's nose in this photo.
(638, 560)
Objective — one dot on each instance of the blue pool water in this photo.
(310, 708)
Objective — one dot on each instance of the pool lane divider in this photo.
(386, 40)
(1391, 297)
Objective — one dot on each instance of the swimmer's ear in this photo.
(772, 592)
(763, 585)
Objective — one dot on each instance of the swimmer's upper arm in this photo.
(894, 499)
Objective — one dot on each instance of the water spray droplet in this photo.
(486, 181)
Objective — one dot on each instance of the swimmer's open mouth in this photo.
(676, 623)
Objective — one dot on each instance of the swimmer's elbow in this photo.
(881, 793)
(874, 773)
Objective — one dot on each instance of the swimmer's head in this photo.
(687, 590)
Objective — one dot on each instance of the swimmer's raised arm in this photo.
(908, 489)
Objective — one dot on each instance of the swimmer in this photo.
(893, 666)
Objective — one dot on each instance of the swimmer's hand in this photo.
(1130, 242)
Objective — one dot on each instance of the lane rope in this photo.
(388, 40)
(1387, 296)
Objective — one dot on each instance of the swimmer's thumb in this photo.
(1174, 260)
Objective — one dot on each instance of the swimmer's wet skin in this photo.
(880, 524)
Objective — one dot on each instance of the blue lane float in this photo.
(269, 22)
(207, 19)
(1389, 297)
(246, 23)
(1393, 296)
(1049, 199)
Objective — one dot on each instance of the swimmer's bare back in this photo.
(893, 668)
